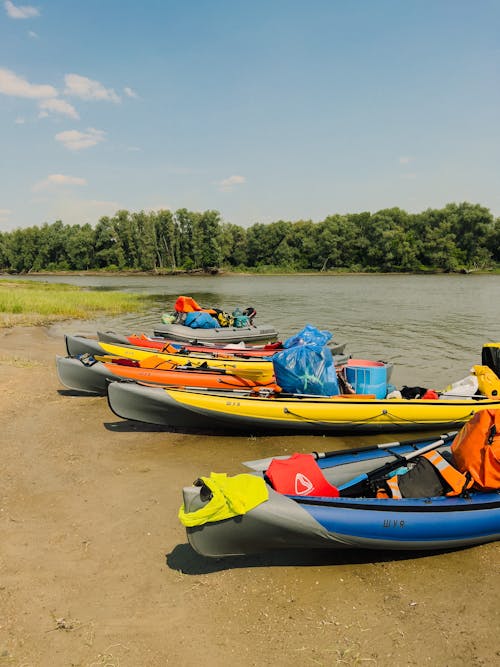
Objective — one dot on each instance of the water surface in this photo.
(431, 327)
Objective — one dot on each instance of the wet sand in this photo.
(95, 568)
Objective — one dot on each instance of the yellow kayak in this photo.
(281, 413)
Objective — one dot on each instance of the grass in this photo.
(27, 303)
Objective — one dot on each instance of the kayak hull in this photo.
(223, 335)
(160, 342)
(78, 375)
(259, 370)
(293, 522)
(281, 414)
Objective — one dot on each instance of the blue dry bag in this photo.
(200, 320)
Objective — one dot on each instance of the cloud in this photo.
(15, 86)
(87, 89)
(20, 12)
(75, 140)
(56, 180)
(228, 184)
(33, 34)
(129, 92)
(405, 159)
(4, 214)
(19, 120)
(57, 105)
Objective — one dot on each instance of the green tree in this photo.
(167, 239)
(233, 242)
(108, 249)
(209, 240)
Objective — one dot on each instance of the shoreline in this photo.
(225, 273)
(96, 568)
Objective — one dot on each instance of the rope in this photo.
(367, 421)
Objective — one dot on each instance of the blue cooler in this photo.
(367, 377)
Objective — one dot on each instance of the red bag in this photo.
(300, 475)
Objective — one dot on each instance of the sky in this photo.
(265, 110)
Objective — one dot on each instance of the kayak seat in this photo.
(299, 475)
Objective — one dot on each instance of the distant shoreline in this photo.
(225, 273)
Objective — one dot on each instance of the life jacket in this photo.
(186, 304)
(457, 481)
(476, 449)
(299, 475)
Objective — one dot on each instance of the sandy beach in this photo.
(95, 568)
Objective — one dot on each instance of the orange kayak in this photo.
(93, 377)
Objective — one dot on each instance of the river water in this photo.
(431, 327)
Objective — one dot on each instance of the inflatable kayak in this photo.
(158, 343)
(281, 413)
(92, 376)
(278, 521)
(219, 335)
(258, 370)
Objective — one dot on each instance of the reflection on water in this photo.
(431, 327)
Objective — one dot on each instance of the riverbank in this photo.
(199, 273)
(96, 570)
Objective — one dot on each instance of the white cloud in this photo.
(19, 120)
(49, 101)
(87, 89)
(20, 12)
(57, 105)
(129, 92)
(405, 159)
(4, 214)
(33, 34)
(16, 86)
(56, 180)
(409, 176)
(75, 140)
(228, 184)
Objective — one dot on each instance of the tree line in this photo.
(457, 237)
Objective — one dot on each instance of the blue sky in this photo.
(263, 110)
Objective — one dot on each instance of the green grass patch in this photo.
(33, 303)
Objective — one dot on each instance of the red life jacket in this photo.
(300, 475)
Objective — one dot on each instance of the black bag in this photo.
(421, 481)
(413, 392)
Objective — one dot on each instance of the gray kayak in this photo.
(76, 345)
(223, 335)
(75, 374)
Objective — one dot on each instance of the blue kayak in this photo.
(309, 521)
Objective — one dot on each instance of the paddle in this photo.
(261, 465)
(357, 485)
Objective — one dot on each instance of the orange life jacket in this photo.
(454, 478)
(476, 449)
(299, 475)
(186, 304)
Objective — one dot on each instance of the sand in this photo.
(95, 568)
